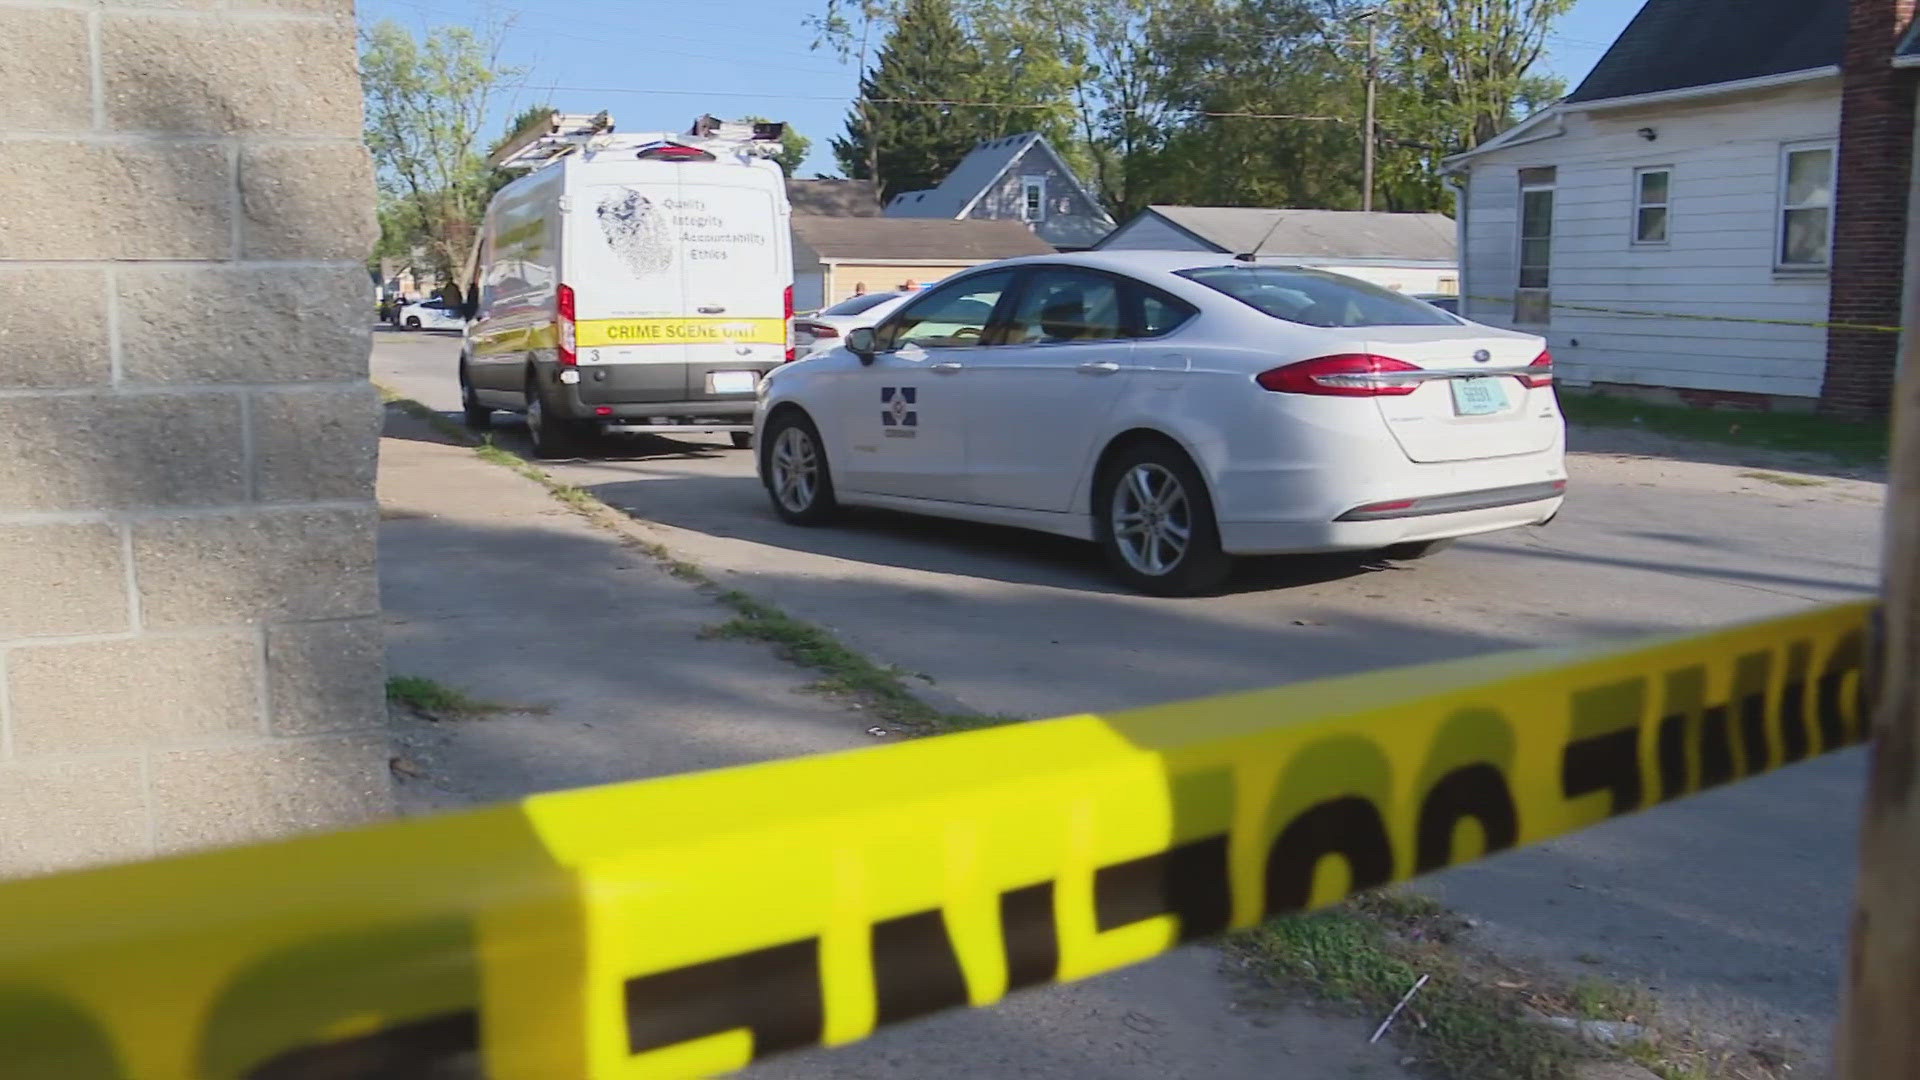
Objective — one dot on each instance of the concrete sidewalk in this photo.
(493, 588)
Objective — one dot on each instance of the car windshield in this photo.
(1315, 297)
(856, 305)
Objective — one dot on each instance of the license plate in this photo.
(1478, 397)
(731, 382)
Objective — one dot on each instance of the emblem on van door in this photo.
(1481, 356)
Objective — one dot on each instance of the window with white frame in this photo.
(1806, 205)
(1651, 191)
(1033, 198)
(1533, 299)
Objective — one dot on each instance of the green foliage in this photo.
(425, 101)
(914, 120)
(1150, 99)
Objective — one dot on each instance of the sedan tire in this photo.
(796, 473)
(1155, 522)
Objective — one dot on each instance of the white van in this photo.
(630, 283)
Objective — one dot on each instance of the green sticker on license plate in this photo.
(1478, 397)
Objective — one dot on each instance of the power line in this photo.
(951, 102)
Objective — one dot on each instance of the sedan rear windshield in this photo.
(857, 304)
(1317, 298)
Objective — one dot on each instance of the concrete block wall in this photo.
(190, 652)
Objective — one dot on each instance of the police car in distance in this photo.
(1178, 409)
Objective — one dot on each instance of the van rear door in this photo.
(736, 268)
(623, 264)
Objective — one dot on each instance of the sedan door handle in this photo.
(947, 367)
(1098, 367)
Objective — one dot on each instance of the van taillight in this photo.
(563, 309)
(787, 303)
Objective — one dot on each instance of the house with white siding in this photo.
(1687, 184)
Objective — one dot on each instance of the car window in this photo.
(856, 304)
(1317, 298)
(1061, 304)
(1160, 313)
(951, 316)
(435, 304)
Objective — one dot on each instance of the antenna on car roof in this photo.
(1249, 256)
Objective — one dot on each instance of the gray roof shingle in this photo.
(979, 168)
(1349, 234)
(1679, 44)
(933, 239)
(834, 198)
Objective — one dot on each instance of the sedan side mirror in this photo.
(861, 343)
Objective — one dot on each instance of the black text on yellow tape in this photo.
(685, 926)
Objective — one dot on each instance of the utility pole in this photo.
(1880, 1021)
(866, 112)
(1373, 89)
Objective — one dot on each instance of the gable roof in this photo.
(933, 239)
(982, 168)
(1681, 44)
(1351, 234)
(834, 198)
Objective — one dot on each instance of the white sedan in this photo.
(433, 314)
(827, 328)
(1177, 409)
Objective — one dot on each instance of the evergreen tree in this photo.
(926, 57)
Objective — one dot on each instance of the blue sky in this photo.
(657, 64)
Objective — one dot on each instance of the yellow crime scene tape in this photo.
(686, 926)
(602, 332)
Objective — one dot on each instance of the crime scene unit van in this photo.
(630, 282)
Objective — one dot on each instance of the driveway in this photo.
(1732, 904)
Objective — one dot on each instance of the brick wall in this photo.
(189, 648)
(1870, 218)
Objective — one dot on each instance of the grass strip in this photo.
(1852, 443)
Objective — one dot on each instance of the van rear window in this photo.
(1317, 298)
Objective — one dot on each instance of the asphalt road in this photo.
(1733, 904)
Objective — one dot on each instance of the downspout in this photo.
(1457, 183)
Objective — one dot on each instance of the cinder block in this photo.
(62, 815)
(327, 676)
(281, 565)
(211, 798)
(238, 324)
(146, 692)
(285, 76)
(116, 201)
(307, 201)
(53, 324)
(112, 451)
(46, 76)
(61, 580)
(317, 444)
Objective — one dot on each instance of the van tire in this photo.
(742, 440)
(790, 433)
(553, 436)
(477, 416)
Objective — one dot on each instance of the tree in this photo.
(425, 101)
(919, 111)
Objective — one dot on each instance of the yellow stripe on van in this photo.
(680, 331)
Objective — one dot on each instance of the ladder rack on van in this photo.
(571, 133)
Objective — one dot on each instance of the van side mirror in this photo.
(861, 343)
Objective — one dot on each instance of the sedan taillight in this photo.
(1539, 373)
(1342, 375)
(818, 330)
